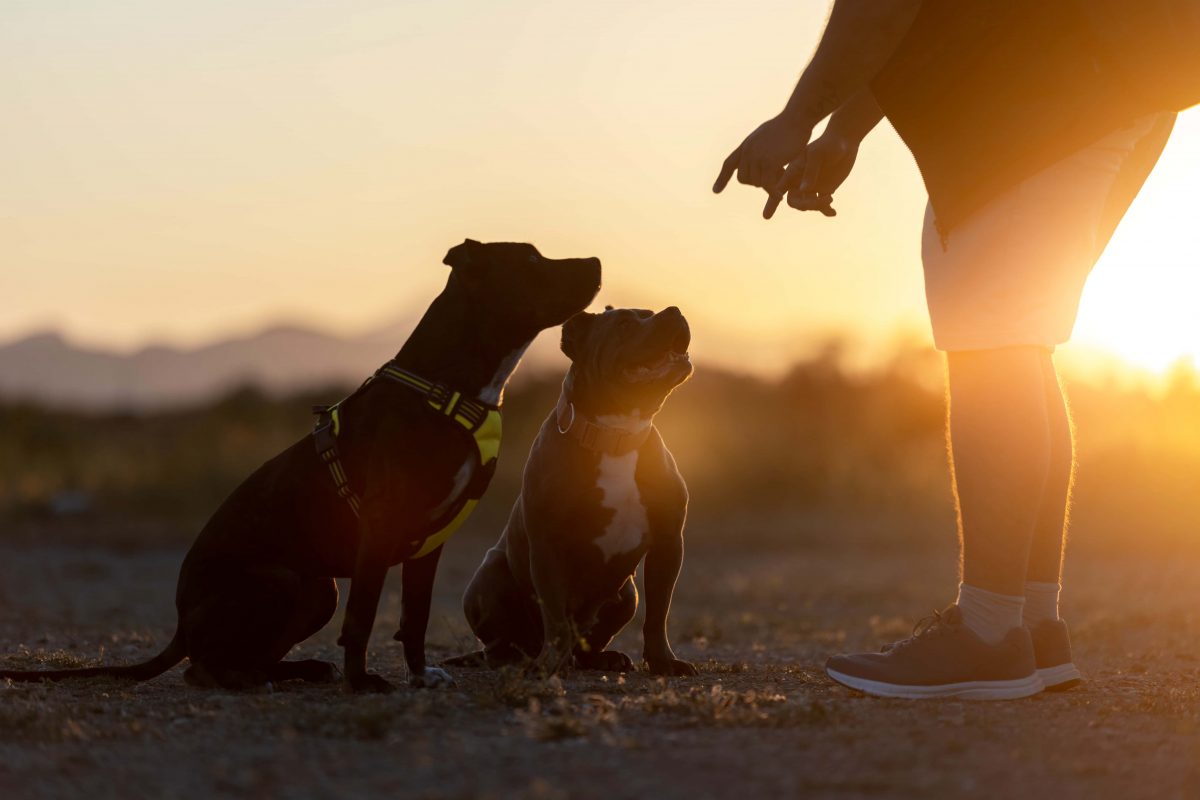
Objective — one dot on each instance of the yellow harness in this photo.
(481, 421)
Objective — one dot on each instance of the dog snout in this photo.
(672, 323)
(592, 265)
(671, 314)
(579, 279)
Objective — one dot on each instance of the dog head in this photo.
(515, 291)
(626, 360)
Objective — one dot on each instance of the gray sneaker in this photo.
(944, 658)
(1052, 652)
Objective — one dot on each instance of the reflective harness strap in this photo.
(328, 425)
(465, 411)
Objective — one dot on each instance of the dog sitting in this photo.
(600, 492)
(385, 479)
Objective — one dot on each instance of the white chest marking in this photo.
(460, 483)
(619, 493)
(492, 392)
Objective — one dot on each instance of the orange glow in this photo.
(1142, 301)
(179, 172)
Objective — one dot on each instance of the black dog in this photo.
(384, 480)
(600, 491)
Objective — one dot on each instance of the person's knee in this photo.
(1004, 372)
(999, 359)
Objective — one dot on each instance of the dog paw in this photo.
(671, 666)
(605, 661)
(431, 678)
(369, 683)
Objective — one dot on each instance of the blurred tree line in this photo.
(815, 449)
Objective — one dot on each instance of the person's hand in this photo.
(826, 164)
(760, 159)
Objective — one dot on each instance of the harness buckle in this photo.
(440, 396)
(324, 435)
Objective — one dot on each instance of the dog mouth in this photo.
(674, 359)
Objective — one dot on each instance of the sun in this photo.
(1142, 302)
(1144, 312)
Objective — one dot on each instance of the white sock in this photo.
(1041, 602)
(990, 615)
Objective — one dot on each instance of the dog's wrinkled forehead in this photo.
(617, 318)
(587, 337)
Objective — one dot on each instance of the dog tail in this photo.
(175, 652)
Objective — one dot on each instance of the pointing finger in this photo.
(787, 179)
(791, 176)
(727, 170)
(773, 200)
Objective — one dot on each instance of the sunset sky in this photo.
(176, 172)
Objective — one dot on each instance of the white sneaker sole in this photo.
(1064, 676)
(968, 690)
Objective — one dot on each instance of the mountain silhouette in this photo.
(47, 368)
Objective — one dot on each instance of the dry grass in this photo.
(24, 658)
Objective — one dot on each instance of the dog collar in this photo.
(596, 436)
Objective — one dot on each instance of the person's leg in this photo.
(1001, 452)
(1043, 583)
(1003, 289)
(999, 436)
(1009, 430)
(1049, 532)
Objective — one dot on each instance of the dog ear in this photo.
(574, 332)
(463, 255)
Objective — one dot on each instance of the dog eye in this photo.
(533, 258)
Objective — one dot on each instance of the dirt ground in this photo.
(760, 720)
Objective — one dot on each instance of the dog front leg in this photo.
(558, 633)
(370, 569)
(416, 594)
(663, 562)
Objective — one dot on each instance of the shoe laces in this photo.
(933, 625)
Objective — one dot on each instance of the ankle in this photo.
(1041, 602)
(990, 615)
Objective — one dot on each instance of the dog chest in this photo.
(461, 478)
(619, 494)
